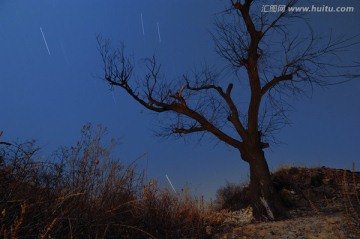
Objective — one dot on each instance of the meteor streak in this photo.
(158, 27)
(142, 24)
(170, 183)
(47, 47)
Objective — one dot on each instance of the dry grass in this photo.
(351, 203)
(13, 231)
(82, 192)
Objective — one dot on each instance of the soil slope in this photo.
(324, 203)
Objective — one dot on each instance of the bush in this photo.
(82, 192)
(232, 197)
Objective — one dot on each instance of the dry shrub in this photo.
(171, 215)
(82, 192)
(232, 197)
(13, 230)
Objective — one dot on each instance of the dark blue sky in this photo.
(49, 97)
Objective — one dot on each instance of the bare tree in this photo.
(271, 62)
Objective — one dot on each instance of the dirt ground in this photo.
(329, 227)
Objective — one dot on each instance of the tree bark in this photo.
(265, 200)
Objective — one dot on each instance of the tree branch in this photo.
(207, 125)
(118, 71)
(276, 80)
(191, 129)
(234, 116)
(5, 143)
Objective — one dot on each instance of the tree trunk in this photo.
(265, 200)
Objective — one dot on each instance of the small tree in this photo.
(270, 63)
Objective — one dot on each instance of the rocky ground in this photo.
(331, 226)
(324, 203)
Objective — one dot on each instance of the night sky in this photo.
(50, 86)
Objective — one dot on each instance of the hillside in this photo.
(324, 203)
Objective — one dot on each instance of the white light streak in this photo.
(142, 24)
(158, 27)
(47, 47)
(170, 183)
